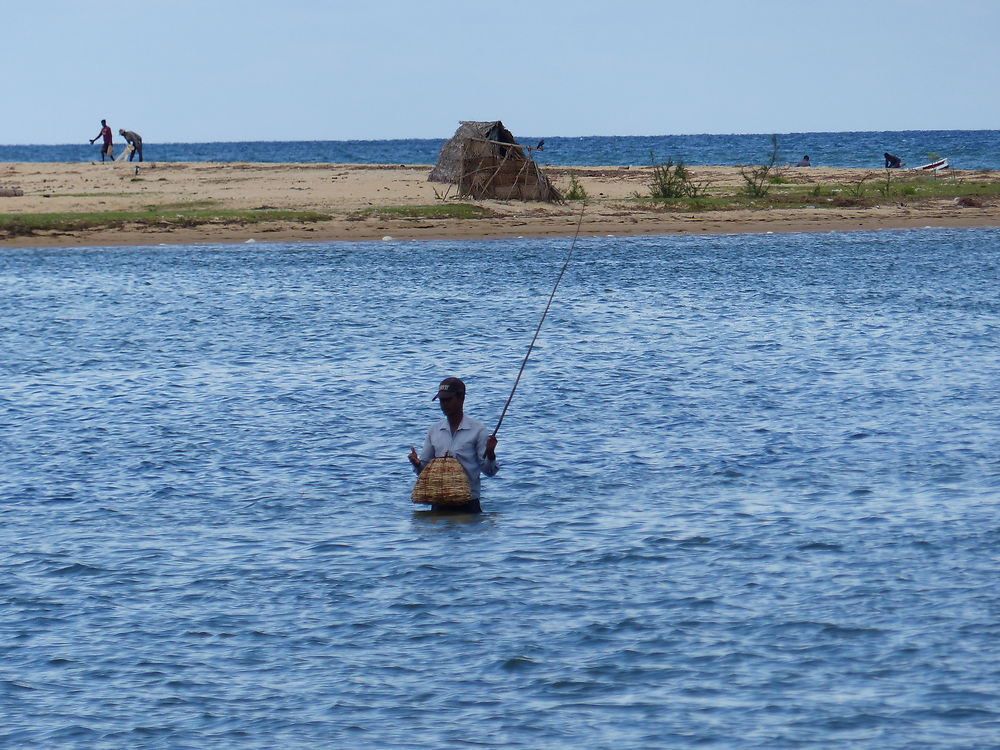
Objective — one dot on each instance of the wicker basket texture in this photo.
(442, 482)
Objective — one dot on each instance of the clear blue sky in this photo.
(204, 70)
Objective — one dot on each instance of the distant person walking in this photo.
(134, 140)
(107, 149)
(892, 162)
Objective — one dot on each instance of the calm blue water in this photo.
(748, 499)
(966, 149)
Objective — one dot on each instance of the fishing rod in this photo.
(531, 346)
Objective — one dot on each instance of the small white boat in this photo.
(934, 166)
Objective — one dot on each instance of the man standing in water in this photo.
(462, 437)
(106, 148)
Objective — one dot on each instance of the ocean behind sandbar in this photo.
(965, 149)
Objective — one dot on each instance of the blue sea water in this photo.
(748, 495)
(965, 149)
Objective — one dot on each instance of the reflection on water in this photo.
(444, 518)
(741, 475)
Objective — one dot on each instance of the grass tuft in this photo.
(442, 211)
(13, 225)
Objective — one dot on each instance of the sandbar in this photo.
(350, 196)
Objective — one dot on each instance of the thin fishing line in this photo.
(531, 346)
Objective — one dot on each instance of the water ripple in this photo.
(747, 500)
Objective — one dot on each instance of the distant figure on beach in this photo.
(461, 437)
(804, 162)
(107, 149)
(134, 139)
(892, 162)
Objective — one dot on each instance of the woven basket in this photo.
(442, 482)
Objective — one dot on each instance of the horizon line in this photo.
(438, 138)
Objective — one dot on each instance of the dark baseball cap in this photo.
(450, 385)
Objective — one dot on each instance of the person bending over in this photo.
(134, 140)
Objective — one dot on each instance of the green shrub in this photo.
(757, 179)
(858, 188)
(672, 181)
(576, 191)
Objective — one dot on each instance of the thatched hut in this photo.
(485, 161)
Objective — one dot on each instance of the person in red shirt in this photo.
(106, 148)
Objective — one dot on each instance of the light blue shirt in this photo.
(468, 445)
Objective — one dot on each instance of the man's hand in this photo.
(414, 458)
(491, 447)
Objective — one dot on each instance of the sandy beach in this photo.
(351, 196)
